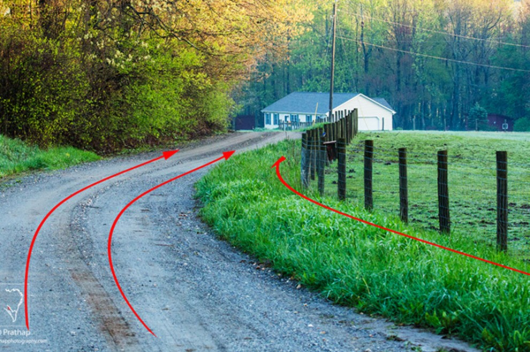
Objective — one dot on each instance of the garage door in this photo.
(369, 124)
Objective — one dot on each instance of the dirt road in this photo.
(197, 293)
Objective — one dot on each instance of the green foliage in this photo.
(361, 266)
(17, 157)
(522, 125)
(98, 77)
(477, 114)
(43, 87)
(410, 53)
(178, 98)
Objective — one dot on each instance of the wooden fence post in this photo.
(355, 122)
(321, 161)
(349, 129)
(368, 172)
(502, 201)
(313, 148)
(340, 134)
(443, 193)
(305, 160)
(341, 144)
(337, 129)
(333, 137)
(327, 134)
(403, 187)
(344, 126)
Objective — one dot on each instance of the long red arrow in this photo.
(165, 155)
(282, 159)
(226, 156)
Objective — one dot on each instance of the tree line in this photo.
(111, 74)
(440, 63)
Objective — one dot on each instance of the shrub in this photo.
(522, 125)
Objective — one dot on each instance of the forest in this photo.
(105, 75)
(442, 64)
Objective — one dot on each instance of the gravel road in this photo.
(195, 292)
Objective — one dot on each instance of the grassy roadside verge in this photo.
(17, 157)
(364, 267)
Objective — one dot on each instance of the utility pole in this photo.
(332, 59)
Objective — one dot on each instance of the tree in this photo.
(477, 115)
(110, 74)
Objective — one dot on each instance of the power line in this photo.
(440, 32)
(438, 57)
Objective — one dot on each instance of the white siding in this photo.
(272, 125)
(369, 123)
(282, 117)
(370, 114)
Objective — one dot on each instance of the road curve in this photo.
(196, 292)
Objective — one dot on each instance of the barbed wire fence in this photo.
(442, 191)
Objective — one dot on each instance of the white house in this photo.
(375, 114)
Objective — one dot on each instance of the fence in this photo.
(439, 191)
(323, 145)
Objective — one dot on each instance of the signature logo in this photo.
(13, 310)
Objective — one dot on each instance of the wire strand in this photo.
(440, 58)
(440, 32)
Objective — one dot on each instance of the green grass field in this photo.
(472, 180)
(364, 267)
(17, 157)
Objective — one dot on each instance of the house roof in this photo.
(383, 102)
(306, 103)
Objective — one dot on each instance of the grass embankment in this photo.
(17, 157)
(361, 266)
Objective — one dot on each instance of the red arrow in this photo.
(165, 155)
(282, 159)
(226, 156)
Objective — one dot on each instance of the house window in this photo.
(276, 119)
(267, 119)
(294, 118)
(309, 118)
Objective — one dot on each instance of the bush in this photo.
(477, 113)
(522, 125)
(99, 94)
(44, 88)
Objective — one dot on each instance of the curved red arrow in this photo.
(226, 156)
(282, 159)
(165, 155)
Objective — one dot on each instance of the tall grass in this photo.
(17, 157)
(361, 266)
